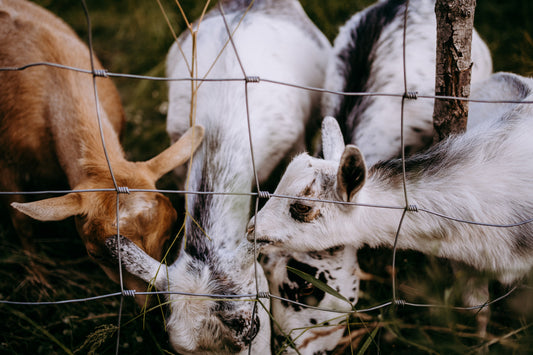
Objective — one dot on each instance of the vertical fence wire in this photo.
(110, 168)
(247, 104)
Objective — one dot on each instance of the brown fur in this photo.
(50, 140)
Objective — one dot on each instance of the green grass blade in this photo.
(319, 284)
(368, 341)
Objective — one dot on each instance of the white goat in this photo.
(367, 58)
(483, 175)
(276, 40)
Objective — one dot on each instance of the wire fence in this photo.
(251, 80)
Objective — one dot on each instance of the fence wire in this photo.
(253, 80)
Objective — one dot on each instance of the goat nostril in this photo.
(251, 229)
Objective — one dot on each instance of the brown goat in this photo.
(50, 139)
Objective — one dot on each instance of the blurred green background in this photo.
(133, 37)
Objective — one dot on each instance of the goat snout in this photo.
(255, 236)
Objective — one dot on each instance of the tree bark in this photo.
(455, 23)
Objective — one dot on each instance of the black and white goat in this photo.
(483, 175)
(275, 40)
(367, 57)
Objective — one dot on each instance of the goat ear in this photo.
(332, 139)
(177, 154)
(351, 175)
(52, 209)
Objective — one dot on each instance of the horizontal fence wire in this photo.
(254, 80)
(257, 79)
(266, 295)
(268, 195)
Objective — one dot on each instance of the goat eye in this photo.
(302, 213)
(301, 208)
(307, 289)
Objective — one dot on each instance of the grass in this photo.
(132, 37)
(439, 330)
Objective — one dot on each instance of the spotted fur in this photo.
(338, 268)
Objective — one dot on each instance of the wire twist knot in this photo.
(263, 294)
(263, 194)
(400, 302)
(100, 72)
(128, 293)
(412, 208)
(411, 95)
(123, 190)
(252, 79)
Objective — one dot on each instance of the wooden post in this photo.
(455, 23)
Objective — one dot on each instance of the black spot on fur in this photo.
(263, 259)
(244, 329)
(300, 290)
(356, 61)
(197, 243)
